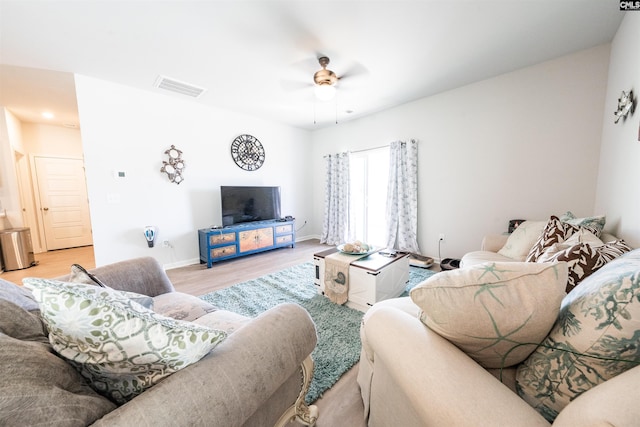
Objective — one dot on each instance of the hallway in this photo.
(53, 264)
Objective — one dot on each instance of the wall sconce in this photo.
(174, 167)
(626, 105)
(150, 235)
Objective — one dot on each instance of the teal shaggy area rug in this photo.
(338, 327)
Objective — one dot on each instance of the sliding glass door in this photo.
(369, 171)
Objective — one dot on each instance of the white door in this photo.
(64, 205)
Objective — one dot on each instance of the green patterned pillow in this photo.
(595, 224)
(121, 347)
(595, 338)
(491, 310)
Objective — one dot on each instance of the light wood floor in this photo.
(53, 264)
(340, 406)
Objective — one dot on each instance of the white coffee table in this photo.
(371, 279)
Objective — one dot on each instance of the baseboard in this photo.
(182, 263)
(303, 238)
(193, 261)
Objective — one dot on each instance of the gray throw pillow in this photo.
(18, 295)
(38, 387)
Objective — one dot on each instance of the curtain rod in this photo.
(365, 149)
(375, 148)
(356, 151)
(370, 149)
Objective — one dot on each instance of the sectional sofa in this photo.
(119, 346)
(502, 343)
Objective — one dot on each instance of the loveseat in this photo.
(493, 243)
(558, 359)
(257, 374)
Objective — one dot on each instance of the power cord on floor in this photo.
(301, 227)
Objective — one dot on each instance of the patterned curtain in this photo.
(336, 224)
(402, 196)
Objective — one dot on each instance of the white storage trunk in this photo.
(371, 279)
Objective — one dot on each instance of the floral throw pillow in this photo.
(121, 347)
(594, 339)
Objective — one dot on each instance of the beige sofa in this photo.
(493, 243)
(257, 376)
(410, 375)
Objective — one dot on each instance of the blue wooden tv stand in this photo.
(219, 244)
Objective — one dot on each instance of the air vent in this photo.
(179, 87)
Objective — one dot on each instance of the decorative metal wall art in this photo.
(247, 152)
(625, 105)
(175, 166)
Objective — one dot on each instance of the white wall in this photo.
(10, 143)
(618, 192)
(521, 145)
(129, 130)
(51, 141)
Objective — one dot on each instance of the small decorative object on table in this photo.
(355, 248)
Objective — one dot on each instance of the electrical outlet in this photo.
(166, 244)
(441, 237)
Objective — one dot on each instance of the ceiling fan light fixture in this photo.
(325, 92)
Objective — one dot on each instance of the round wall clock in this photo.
(247, 152)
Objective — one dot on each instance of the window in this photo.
(369, 171)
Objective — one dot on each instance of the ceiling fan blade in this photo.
(294, 85)
(299, 74)
(308, 65)
(356, 69)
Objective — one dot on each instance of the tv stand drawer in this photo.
(223, 251)
(282, 229)
(284, 239)
(216, 239)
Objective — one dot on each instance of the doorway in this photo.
(62, 203)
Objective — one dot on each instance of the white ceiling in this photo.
(258, 57)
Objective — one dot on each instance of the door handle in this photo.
(45, 209)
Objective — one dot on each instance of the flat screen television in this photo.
(247, 204)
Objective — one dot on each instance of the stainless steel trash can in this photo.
(17, 251)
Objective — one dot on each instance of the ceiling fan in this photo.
(325, 81)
